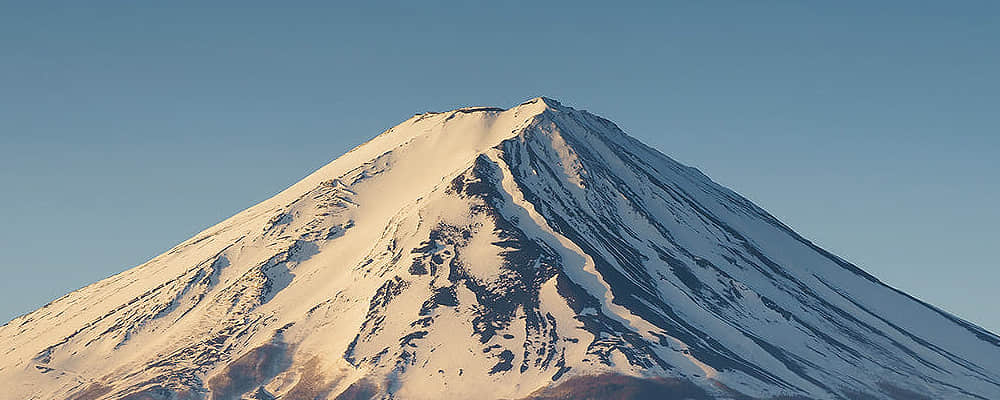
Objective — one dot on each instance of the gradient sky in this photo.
(869, 127)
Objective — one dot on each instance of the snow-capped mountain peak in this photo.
(532, 252)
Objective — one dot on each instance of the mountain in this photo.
(530, 253)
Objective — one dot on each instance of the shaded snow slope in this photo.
(496, 253)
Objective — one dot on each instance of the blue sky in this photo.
(869, 127)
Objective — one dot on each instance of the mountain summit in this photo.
(536, 252)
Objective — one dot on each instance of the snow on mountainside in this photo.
(536, 252)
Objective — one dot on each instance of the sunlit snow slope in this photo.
(488, 253)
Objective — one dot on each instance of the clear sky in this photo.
(869, 127)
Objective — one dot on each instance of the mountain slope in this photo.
(497, 254)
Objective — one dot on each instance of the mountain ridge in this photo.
(491, 252)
